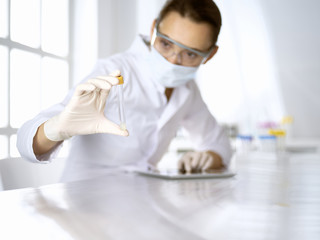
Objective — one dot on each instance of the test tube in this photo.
(121, 108)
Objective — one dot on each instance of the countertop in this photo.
(272, 196)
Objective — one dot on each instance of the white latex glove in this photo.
(84, 114)
(193, 162)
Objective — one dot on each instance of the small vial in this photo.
(121, 108)
(281, 137)
(286, 125)
(267, 143)
(244, 144)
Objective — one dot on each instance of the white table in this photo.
(271, 197)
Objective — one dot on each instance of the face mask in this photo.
(168, 74)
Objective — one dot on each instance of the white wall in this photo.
(106, 27)
(119, 22)
(116, 24)
(268, 65)
(84, 37)
(239, 83)
(295, 36)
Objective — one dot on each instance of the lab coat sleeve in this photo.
(204, 130)
(28, 130)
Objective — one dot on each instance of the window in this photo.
(34, 62)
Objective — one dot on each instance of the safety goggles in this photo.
(168, 47)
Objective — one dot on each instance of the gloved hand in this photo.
(84, 114)
(194, 162)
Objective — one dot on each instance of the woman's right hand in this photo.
(84, 114)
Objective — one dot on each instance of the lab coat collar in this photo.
(178, 99)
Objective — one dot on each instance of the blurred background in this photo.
(267, 68)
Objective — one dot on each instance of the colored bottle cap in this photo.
(266, 137)
(245, 137)
(277, 132)
(120, 80)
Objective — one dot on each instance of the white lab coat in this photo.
(152, 122)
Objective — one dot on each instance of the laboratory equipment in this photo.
(267, 143)
(264, 127)
(244, 144)
(280, 135)
(286, 124)
(121, 107)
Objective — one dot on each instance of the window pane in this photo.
(13, 147)
(24, 86)
(3, 146)
(54, 81)
(25, 22)
(54, 26)
(3, 86)
(3, 18)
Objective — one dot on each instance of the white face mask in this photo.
(168, 74)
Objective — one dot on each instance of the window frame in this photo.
(8, 130)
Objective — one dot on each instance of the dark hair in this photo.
(197, 10)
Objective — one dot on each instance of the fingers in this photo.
(181, 165)
(112, 80)
(184, 163)
(193, 162)
(104, 85)
(208, 164)
(101, 83)
(106, 126)
(83, 88)
(198, 161)
(115, 73)
(196, 157)
(203, 160)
